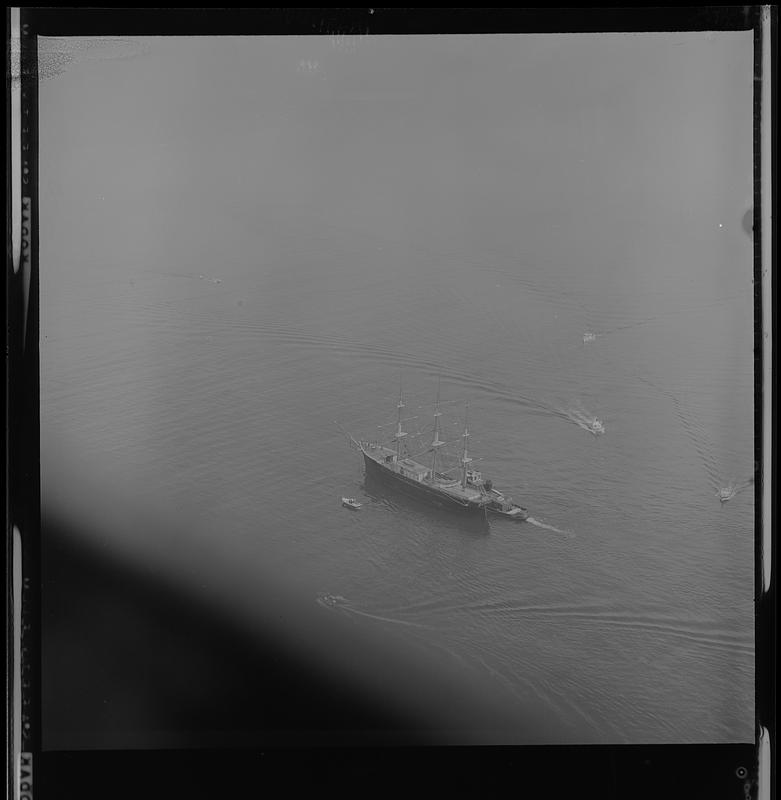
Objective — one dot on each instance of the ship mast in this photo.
(464, 457)
(437, 443)
(400, 434)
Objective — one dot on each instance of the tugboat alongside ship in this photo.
(467, 493)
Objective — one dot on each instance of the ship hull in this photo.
(420, 490)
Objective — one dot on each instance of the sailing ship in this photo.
(468, 493)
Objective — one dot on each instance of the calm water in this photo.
(207, 383)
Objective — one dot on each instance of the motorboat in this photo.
(727, 493)
(502, 506)
(597, 426)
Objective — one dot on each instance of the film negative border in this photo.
(622, 767)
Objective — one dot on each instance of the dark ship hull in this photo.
(423, 491)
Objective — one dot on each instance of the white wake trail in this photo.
(547, 527)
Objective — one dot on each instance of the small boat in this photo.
(331, 600)
(597, 426)
(727, 493)
(502, 506)
(509, 510)
(351, 502)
